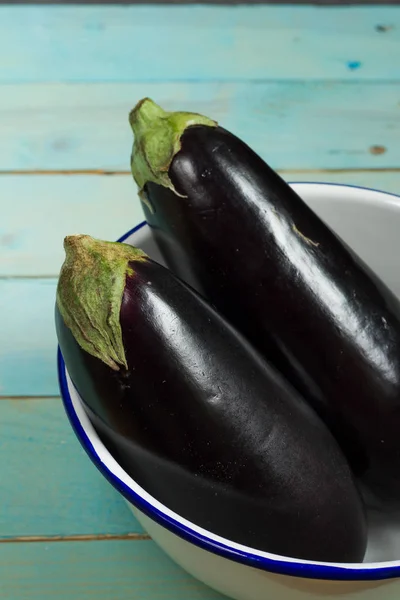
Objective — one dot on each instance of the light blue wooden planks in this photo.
(293, 125)
(48, 485)
(105, 570)
(27, 338)
(176, 43)
(42, 209)
(27, 334)
(68, 77)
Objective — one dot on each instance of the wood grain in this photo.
(105, 570)
(308, 88)
(197, 43)
(48, 485)
(223, 2)
(98, 205)
(293, 125)
(41, 210)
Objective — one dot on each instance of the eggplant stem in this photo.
(90, 291)
(157, 139)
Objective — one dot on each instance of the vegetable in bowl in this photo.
(195, 415)
(228, 225)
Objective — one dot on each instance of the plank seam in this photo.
(75, 538)
(104, 172)
(24, 277)
(285, 80)
(29, 397)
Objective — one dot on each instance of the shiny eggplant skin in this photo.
(206, 426)
(243, 238)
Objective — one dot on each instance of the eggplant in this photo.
(230, 226)
(195, 415)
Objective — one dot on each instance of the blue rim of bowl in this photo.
(273, 565)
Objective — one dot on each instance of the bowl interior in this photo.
(367, 220)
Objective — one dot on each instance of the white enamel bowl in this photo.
(370, 222)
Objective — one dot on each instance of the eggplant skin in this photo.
(243, 238)
(206, 426)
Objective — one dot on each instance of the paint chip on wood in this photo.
(383, 28)
(377, 149)
(354, 64)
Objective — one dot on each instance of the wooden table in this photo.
(315, 90)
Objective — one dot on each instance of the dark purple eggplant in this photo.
(228, 225)
(195, 415)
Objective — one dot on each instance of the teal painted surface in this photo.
(27, 338)
(48, 485)
(42, 209)
(102, 570)
(27, 365)
(164, 43)
(32, 230)
(308, 88)
(294, 125)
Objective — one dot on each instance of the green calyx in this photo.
(157, 140)
(90, 291)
